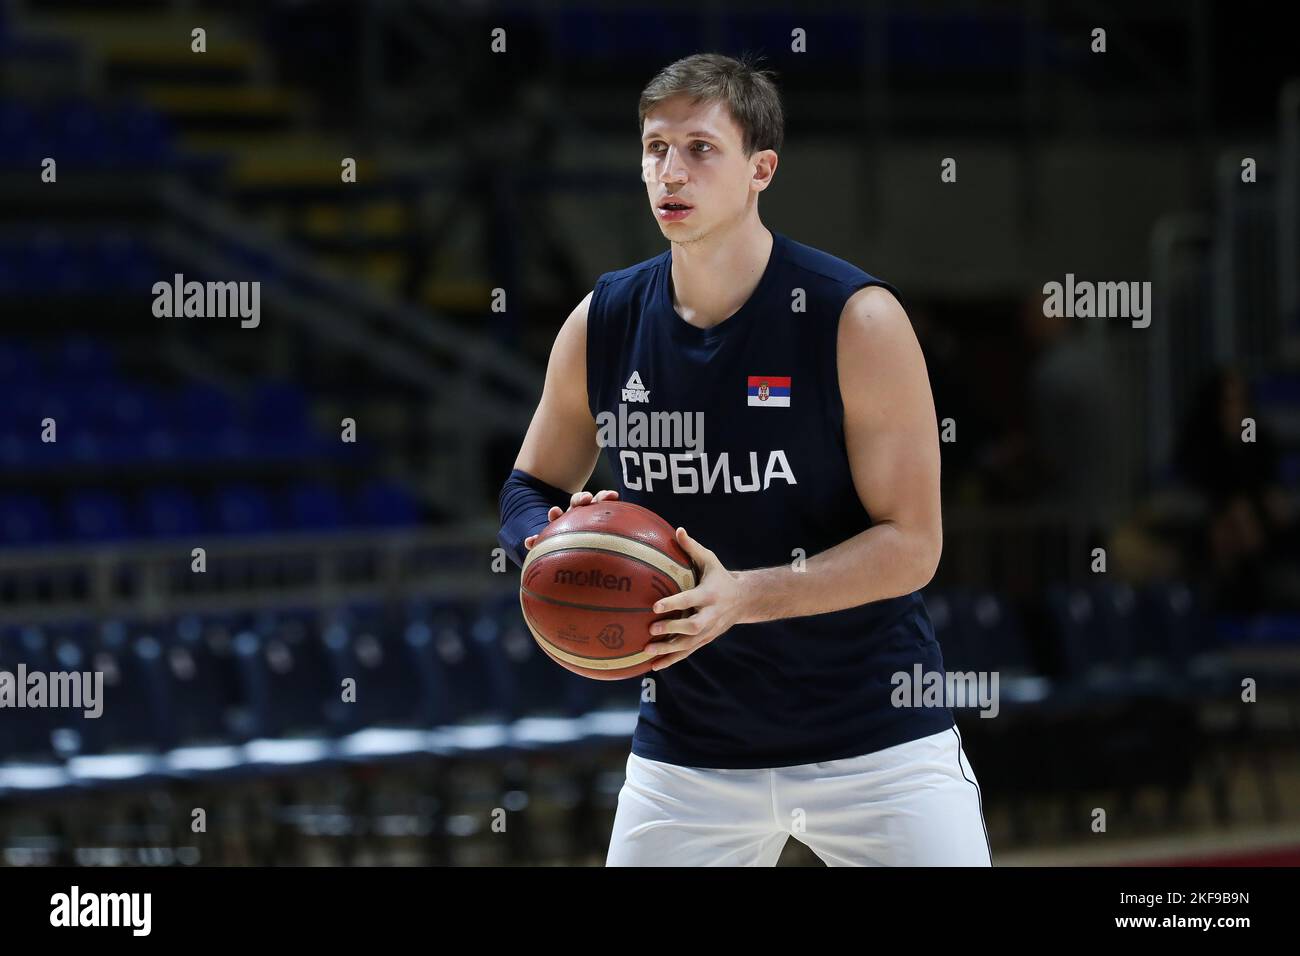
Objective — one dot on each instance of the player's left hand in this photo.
(717, 600)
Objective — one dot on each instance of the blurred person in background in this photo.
(1057, 449)
(1249, 528)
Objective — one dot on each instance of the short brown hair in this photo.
(750, 95)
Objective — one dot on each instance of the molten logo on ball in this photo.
(594, 578)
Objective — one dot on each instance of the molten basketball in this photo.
(590, 581)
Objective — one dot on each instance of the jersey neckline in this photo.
(686, 332)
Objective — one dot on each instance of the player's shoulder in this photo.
(618, 297)
(873, 304)
(819, 264)
(873, 328)
(849, 290)
(629, 277)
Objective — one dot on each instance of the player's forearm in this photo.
(882, 562)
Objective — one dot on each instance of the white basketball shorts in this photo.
(914, 804)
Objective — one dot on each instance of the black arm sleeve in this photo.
(524, 502)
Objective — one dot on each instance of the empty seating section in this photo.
(236, 693)
(102, 136)
(211, 695)
(71, 412)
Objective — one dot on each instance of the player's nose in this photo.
(671, 169)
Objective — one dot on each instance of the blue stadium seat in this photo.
(18, 362)
(110, 136)
(1289, 470)
(17, 448)
(145, 135)
(283, 425)
(382, 504)
(121, 747)
(19, 134)
(53, 262)
(997, 625)
(124, 263)
(389, 691)
(83, 360)
(156, 444)
(209, 715)
(75, 128)
(316, 507)
(204, 409)
(991, 637)
(436, 731)
(471, 718)
(281, 406)
(70, 647)
(1177, 631)
(1102, 637)
(1086, 650)
(398, 684)
(1282, 389)
(294, 688)
(25, 520)
(207, 425)
(30, 764)
(244, 509)
(1116, 611)
(95, 515)
(543, 701)
(1173, 626)
(33, 402)
(169, 512)
(26, 733)
(115, 406)
(86, 445)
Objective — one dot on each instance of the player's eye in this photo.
(652, 147)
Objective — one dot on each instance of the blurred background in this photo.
(372, 559)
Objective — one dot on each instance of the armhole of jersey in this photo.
(837, 400)
(595, 346)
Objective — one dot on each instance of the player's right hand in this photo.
(577, 501)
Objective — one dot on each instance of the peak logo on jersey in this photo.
(769, 391)
(634, 391)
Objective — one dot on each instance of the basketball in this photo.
(590, 582)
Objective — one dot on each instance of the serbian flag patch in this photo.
(772, 391)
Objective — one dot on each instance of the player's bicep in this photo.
(560, 445)
(889, 418)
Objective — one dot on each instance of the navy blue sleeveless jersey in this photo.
(771, 476)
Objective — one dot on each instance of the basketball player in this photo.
(813, 514)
